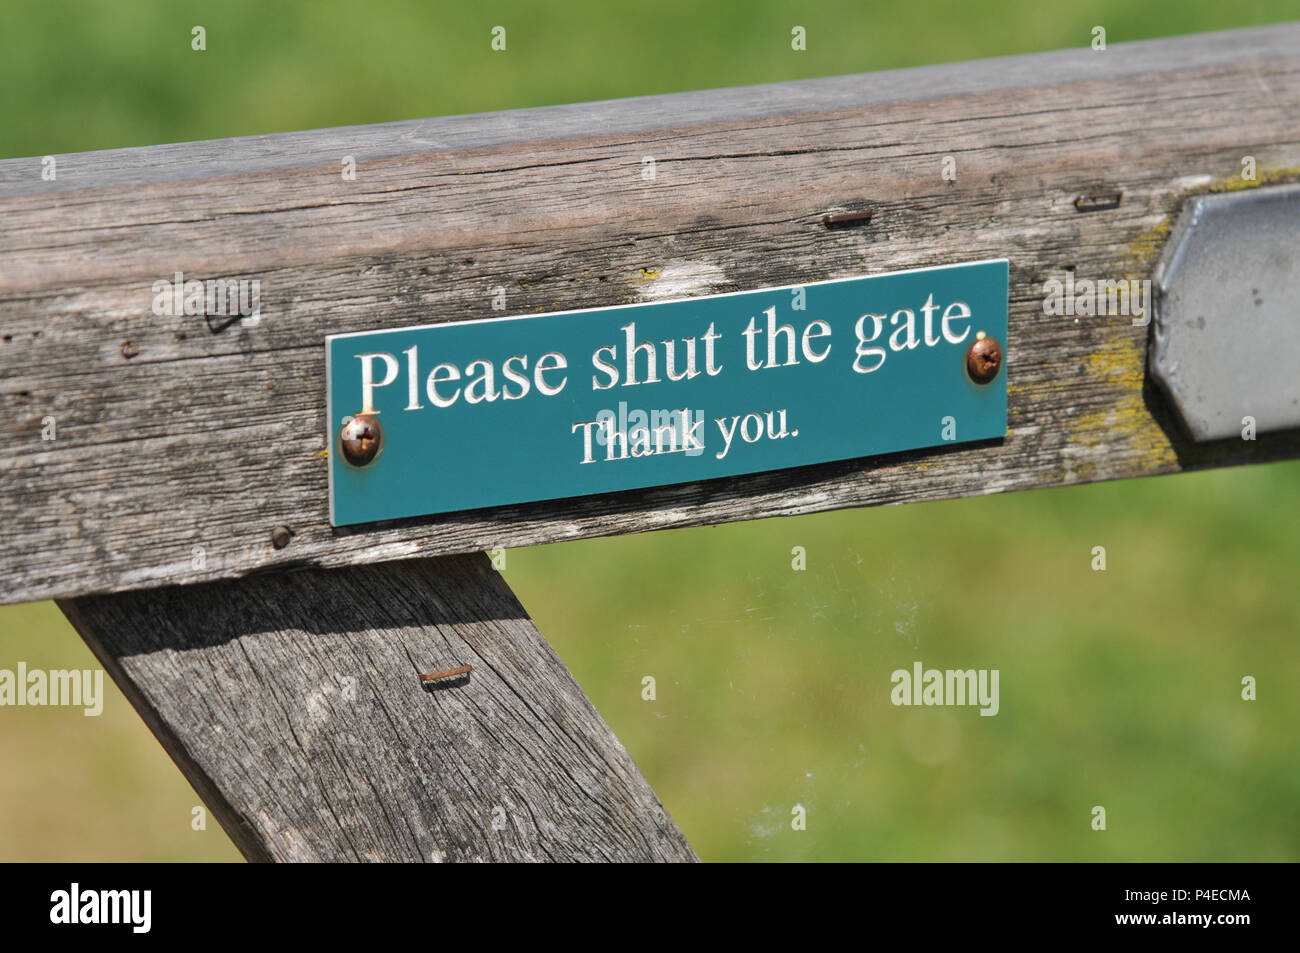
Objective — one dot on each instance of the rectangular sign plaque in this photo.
(502, 411)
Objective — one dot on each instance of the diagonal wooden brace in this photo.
(293, 704)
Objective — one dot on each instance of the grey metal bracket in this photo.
(1226, 337)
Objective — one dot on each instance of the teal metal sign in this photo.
(495, 412)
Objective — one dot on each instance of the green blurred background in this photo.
(1119, 688)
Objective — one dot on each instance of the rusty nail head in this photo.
(361, 438)
(129, 350)
(456, 672)
(983, 359)
(843, 219)
(280, 536)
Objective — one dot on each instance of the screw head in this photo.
(361, 438)
(983, 359)
(280, 536)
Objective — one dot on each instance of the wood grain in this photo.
(210, 440)
(292, 703)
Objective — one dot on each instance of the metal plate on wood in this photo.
(1227, 304)
(495, 412)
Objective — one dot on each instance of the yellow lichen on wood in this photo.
(1120, 367)
(1143, 250)
(1120, 361)
(1262, 177)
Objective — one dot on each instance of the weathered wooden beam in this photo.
(182, 443)
(292, 703)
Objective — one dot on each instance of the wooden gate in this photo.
(180, 517)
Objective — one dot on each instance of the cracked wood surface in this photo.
(291, 701)
(211, 440)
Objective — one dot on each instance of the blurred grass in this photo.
(99, 74)
(78, 788)
(1119, 688)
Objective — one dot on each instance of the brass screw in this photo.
(983, 359)
(361, 438)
